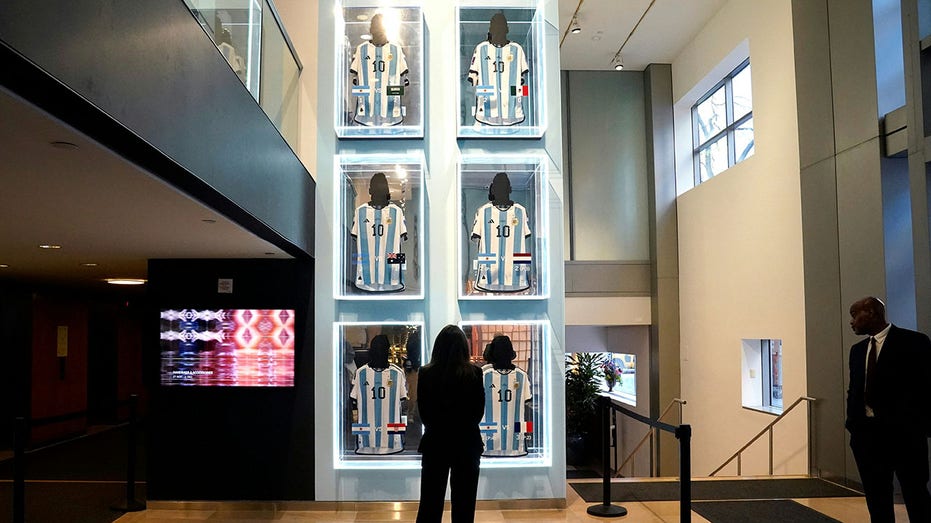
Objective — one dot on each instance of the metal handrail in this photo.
(649, 437)
(768, 428)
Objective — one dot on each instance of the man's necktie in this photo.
(869, 393)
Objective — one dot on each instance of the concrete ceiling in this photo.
(97, 206)
(668, 27)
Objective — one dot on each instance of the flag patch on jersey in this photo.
(523, 426)
(486, 258)
(360, 428)
(522, 258)
(395, 258)
(522, 90)
(361, 90)
(395, 90)
(397, 428)
(488, 428)
(484, 89)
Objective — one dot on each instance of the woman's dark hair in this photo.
(451, 352)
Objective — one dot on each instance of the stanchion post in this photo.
(684, 433)
(606, 509)
(19, 470)
(131, 504)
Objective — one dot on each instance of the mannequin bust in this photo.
(502, 353)
(378, 191)
(377, 30)
(498, 30)
(499, 192)
(378, 352)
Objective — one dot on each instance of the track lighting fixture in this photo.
(574, 27)
(617, 63)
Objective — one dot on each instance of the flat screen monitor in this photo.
(227, 347)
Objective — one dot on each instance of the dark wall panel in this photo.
(229, 443)
(148, 66)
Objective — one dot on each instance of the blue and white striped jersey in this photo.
(503, 426)
(379, 85)
(496, 74)
(378, 233)
(378, 396)
(504, 258)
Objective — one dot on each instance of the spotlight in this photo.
(574, 27)
(617, 63)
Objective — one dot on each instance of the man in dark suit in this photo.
(888, 413)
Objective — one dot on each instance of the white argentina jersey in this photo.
(378, 233)
(503, 426)
(379, 85)
(496, 74)
(378, 396)
(504, 258)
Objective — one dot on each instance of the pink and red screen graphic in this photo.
(227, 347)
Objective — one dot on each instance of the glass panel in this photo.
(712, 159)
(711, 115)
(743, 94)
(775, 348)
(236, 29)
(743, 140)
(280, 77)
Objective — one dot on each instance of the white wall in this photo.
(300, 20)
(740, 243)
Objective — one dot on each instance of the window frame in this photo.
(729, 129)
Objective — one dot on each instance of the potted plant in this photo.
(582, 388)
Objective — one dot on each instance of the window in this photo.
(762, 375)
(722, 124)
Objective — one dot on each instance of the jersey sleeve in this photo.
(402, 384)
(477, 224)
(402, 227)
(522, 60)
(354, 393)
(355, 223)
(356, 58)
(402, 62)
(526, 231)
(474, 65)
(526, 390)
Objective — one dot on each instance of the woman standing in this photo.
(451, 401)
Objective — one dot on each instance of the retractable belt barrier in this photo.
(682, 432)
(21, 427)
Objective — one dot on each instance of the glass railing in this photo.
(250, 36)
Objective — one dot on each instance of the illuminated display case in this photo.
(380, 244)
(503, 227)
(515, 426)
(379, 71)
(376, 420)
(501, 70)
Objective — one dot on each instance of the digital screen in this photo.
(227, 347)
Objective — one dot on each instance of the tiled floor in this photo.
(847, 510)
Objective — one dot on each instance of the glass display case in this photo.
(380, 244)
(500, 56)
(235, 27)
(503, 227)
(512, 356)
(376, 369)
(379, 71)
